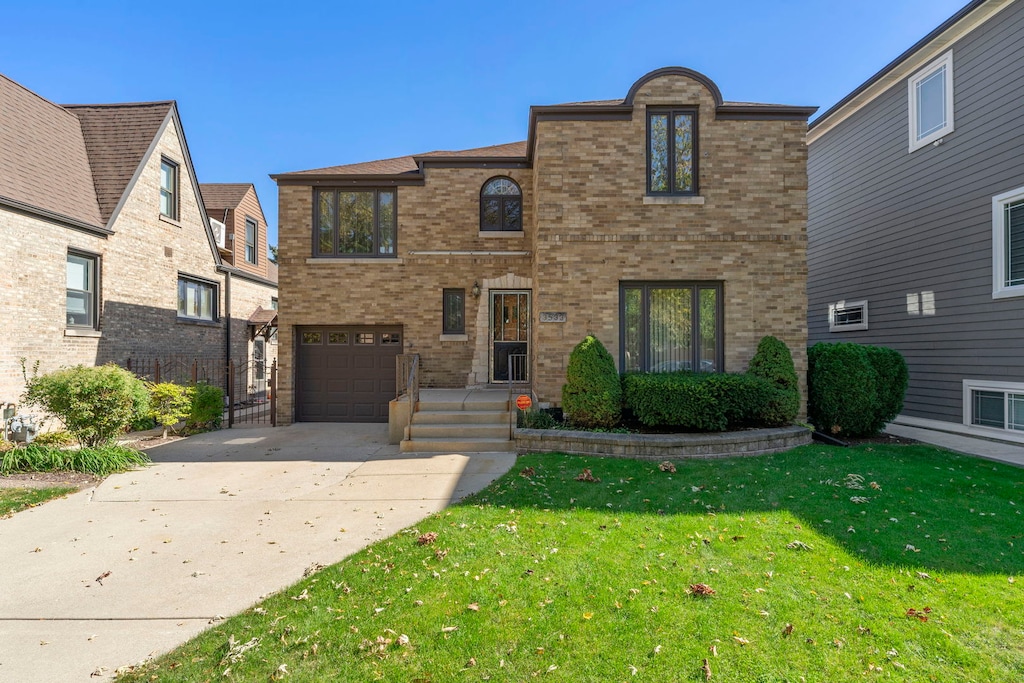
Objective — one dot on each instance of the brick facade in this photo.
(587, 226)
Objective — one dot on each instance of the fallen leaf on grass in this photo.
(473, 606)
(427, 538)
(586, 475)
(527, 472)
(788, 631)
(798, 545)
(449, 629)
(667, 467)
(700, 589)
(706, 668)
(741, 640)
(588, 615)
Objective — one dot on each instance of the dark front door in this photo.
(346, 374)
(510, 335)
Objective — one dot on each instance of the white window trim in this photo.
(971, 385)
(947, 61)
(847, 327)
(1000, 290)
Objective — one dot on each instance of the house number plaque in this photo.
(553, 316)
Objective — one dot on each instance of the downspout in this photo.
(227, 324)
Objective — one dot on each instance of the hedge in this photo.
(706, 402)
(854, 389)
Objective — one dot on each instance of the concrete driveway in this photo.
(147, 559)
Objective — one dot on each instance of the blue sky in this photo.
(273, 87)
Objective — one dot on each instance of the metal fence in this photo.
(250, 388)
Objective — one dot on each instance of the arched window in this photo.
(501, 205)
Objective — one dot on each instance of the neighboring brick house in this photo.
(916, 225)
(670, 224)
(240, 229)
(107, 251)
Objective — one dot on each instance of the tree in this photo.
(273, 253)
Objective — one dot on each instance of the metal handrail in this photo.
(407, 379)
(517, 367)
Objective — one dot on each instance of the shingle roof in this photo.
(43, 158)
(219, 196)
(116, 138)
(407, 164)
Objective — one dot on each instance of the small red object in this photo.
(523, 402)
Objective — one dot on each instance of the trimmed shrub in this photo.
(706, 402)
(169, 404)
(592, 393)
(842, 394)
(774, 362)
(207, 408)
(95, 404)
(59, 438)
(892, 375)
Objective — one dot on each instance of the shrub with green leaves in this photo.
(704, 402)
(169, 404)
(892, 376)
(592, 393)
(535, 419)
(94, 403)
(60, 438)
(207, 408)
(774, 362)
(842, 390)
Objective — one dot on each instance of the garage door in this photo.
(346, 374)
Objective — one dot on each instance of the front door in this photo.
(510, 335)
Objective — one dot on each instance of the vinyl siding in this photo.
(884, 223)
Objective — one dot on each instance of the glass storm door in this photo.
(510, 335)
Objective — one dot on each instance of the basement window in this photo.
(847, 316)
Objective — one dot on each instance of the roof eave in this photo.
(55, 217)
(770, 112)
(343, 179)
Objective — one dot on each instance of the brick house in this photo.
(669, 223)
(108, 253)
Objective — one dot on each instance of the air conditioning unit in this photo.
(219, 232)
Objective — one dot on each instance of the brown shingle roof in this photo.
(116, 138)
(407, 164)
(220, 196)
(262, 316)
(43, 159)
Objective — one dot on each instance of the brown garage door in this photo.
(346, 374)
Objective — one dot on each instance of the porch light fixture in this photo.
(476, 290)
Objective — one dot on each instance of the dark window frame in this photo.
(94, 294)
(445, 310)
(255, 244)
(214, 299)
(671, 112)
(375, 247)
(502, 200)
(173, 192)
(696, 286)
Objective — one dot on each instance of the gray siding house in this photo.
(916, 221)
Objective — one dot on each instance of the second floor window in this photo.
(250, 240)
(352, 223)
(671, 151)
(169, 189)
(501, 205)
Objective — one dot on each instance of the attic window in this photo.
(931, 102)
(844, 316)
(251, 228)
(168, 189)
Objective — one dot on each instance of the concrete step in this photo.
(460, 406)
(460, 417)
(458, 431)
(457, 445)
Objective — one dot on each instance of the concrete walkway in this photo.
(144, 561)
(983, 448)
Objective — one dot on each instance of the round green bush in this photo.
(95, 404)
(592, 393)
(842, 394)
(774, 362)
(891, 372)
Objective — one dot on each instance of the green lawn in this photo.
(544, 576)
(16, 500)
